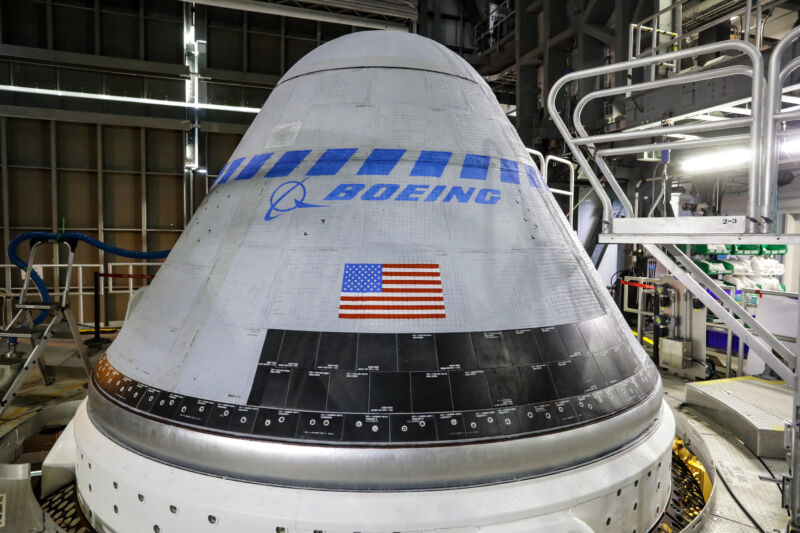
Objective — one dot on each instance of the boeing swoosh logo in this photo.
(287, 197)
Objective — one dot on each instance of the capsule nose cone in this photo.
(379, 264)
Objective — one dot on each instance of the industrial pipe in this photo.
(69, 235)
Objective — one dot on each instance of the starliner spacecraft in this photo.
(378, 320)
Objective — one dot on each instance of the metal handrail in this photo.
(664, 131)
(776, 79)
(77, 288)
(538, 155)
(737, 70)
(544, 166)
(128, 269)
(755, 120)
(571, 192)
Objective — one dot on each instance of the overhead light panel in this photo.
(791, 146)
(718, 160)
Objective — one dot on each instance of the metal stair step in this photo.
(22, 333)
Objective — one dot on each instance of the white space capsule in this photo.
(377, 321)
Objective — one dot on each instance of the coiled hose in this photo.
(69, 235)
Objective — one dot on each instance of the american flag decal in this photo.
(395, 291)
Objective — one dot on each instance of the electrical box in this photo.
(675, 353)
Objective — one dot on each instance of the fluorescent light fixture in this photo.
(791, 146)
(129, 99)
(718, 160)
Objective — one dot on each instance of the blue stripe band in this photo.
(380, 162)
(253, 166)
(331, 161)
(287, 163)
(219, 174)
(231, 169)
(431, 163)
(509, 171)
(475, 167)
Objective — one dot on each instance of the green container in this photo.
(747, 249)
(713, 268)
(773, 249)
(711, 249)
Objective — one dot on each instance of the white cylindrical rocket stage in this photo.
(377, 320)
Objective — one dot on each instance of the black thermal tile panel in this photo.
(417, 351)
(259, 382)
(455, 351)
(538, 417)
(413, 428)
(272, 346)
(521, 347)
(577, 375)
(276, 423)
(194, 411)
(430, 392)
(377, 351)
(308, 390)
(337, 351)
(566, 412)
(299, 349)
(366, 428)
(591, 334)
(389, 392)
(573, 340)
(509, 419)
(276, 384)
(481, 424)
(166, 405)
(221, 416)
(470, 390)
(320, 426)
(505, 387)
(348, 392)
(616, 364)
(243, 419)
(550, 345)
(609, 330)
(450, 426)
(587, 407)
(148, 399)
(537, 383)
(490, 351)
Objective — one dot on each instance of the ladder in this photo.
(14, 368)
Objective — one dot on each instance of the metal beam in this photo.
(110, 119)
(302, 13)
(5, 190)
(603, 34)
(387, 9)
(116, 64)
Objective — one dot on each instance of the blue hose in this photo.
(70, 235)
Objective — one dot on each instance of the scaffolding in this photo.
(759, 130)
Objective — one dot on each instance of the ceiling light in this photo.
(128, 99)
(791, 146)
(718, 160)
